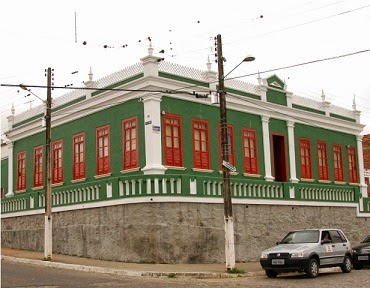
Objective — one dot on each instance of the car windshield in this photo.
(307, 236)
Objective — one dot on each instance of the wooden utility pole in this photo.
(228, 211)
(48, 197)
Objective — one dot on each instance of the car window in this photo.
(335, 237)
(306, 236)
(342, 236)
(325, 235)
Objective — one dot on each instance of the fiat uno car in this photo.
(307, 251)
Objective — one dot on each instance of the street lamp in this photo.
(228, 213)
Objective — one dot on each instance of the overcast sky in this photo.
(41, 33)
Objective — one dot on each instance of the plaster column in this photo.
(291, 149)
(153, 135)
(266, 147)
(360, 157)
(10, 170)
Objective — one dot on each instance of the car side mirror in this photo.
(325, 241)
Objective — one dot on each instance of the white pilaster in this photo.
(291, 149)
(266, 147)
(10, 170)
(360, 157)
(153, 135)
(289, 99)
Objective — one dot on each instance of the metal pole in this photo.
(48, 214)
(228, 212)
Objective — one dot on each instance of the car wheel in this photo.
(357, 266)
(347, 264)
(312, 270)
(271, 273)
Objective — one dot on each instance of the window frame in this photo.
(38, 171)
(338, 161)
(352, 164)
(21, 171)
(205, 159)
(176, 156)
(57, 164)
(134, 154)
(306, 167)
(250, 160)
(77, 175)
(104, 169)
(322, 157)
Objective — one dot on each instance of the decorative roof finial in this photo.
(354, 103)
(90, 74)
(322, 95)
(150, 49)
(209, 64)
(13, 109)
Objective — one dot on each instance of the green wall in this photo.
(88, 124)
(4, 175)
(239, 120)
(330, 137)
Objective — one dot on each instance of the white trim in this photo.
(130, 170)
(78, 180)
(184, 199)
(252, 175)
(102, 175)
(175, 168)
(202, 170)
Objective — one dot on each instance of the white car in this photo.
(307, 251)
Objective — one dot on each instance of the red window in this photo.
(38, 173)
(305, 150)
(249, 139)
(102, 150)
(79, 156)
(21, 170)
(172, 140)
(130, 143)
(2, 193)
(338, 163)
(57, 160)
(201, 144)
(352, 165)
(322, 157)
(230, 144)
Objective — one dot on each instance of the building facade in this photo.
(147, 136)
(366, 147)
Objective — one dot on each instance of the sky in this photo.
(39, 34)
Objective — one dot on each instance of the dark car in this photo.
(361, 254)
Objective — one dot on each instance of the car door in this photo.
(327, 253)
(339, 246)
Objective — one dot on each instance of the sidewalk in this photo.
(129, 269)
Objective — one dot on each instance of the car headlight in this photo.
(264, 255)
(358, 251)
(296, 255)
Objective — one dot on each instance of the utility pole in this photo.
(48, 214)
(228, 211)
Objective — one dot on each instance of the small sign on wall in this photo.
(156, 129)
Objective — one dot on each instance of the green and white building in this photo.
(141, 140)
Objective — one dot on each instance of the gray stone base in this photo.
(174, 232)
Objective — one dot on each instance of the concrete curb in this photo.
(125, 272)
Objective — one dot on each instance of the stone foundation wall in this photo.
(174, 232)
